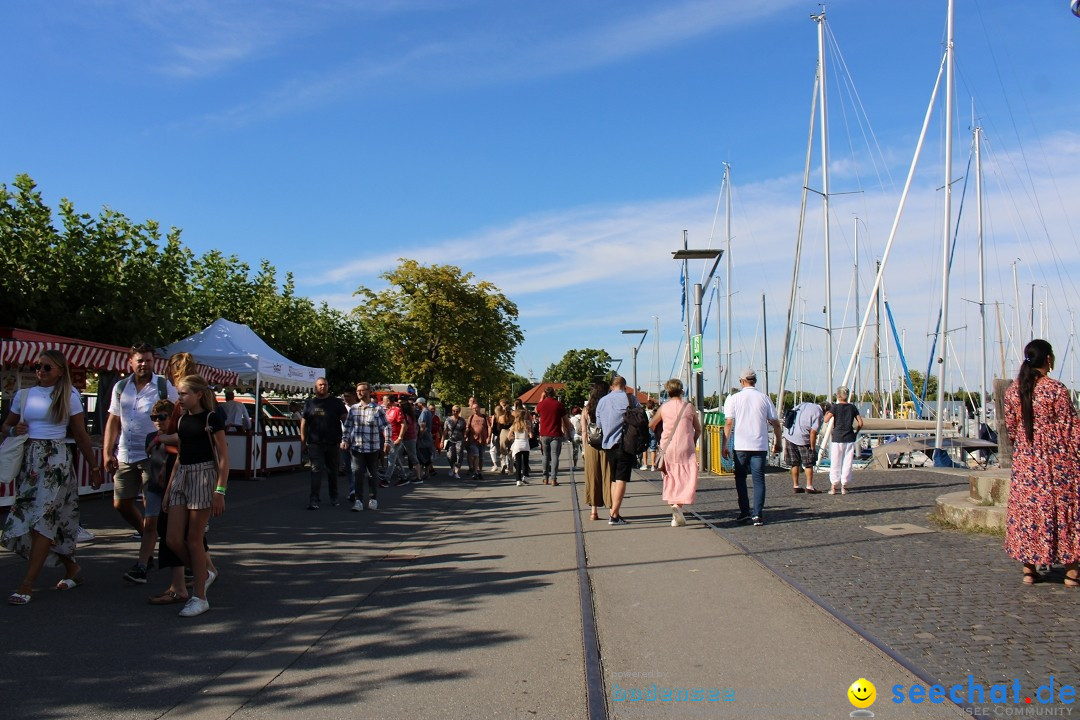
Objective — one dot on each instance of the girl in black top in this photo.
(197, 489)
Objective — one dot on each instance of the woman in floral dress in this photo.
(42, 524)
(1044, 503)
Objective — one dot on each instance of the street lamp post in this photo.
(634, 350)
(699, 378)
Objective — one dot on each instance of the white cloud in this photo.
(581, 275)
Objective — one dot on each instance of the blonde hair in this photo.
(197, 383)
(674, 387)
(519, 424)
(59, 410)
(180, 366)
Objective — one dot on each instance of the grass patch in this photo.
(944, 524)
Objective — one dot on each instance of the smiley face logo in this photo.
(862, 693)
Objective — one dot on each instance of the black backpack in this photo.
(789, 418)
(635, 430)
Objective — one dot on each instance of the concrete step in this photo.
(958, 509)
(991, 486)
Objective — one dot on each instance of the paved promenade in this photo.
(461, 599)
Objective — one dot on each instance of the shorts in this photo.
(193, 486)
(799, 455)
(620, 463)
(130, 478)
(423, 454)
(474, 449)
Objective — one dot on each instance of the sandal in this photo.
(69, 583)
(1072, 578)
(18, 598)
(1031, 577)
(169, 597)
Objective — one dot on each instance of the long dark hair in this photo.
(1036, 356)
(599, 390)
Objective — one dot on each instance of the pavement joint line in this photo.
(815, 599)
(596, 697)
(229, 692)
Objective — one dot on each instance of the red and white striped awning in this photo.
(20, 348)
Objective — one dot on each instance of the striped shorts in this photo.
(193, 486)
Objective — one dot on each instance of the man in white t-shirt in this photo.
(124, 448)
(236, 416)
(747, 415)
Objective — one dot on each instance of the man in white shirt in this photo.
(747, 415)
(236, 416)
(129, 422)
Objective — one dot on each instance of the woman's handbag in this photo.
(660, 465)
(595, 435)
(11, 456)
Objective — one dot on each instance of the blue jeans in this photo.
(754, 461)
(546, 443)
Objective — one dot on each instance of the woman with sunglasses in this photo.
(42, 524)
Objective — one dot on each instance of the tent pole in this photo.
(258, 416)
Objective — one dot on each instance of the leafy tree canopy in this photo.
(111, 280)
(441, 328)
(579, 369)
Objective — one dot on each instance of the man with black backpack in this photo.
(617, 414)
(802, 424)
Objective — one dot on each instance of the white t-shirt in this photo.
(134, 410)
(32, 407)
(752, 412)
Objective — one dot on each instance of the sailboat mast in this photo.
(727, 281)
(947, 234)
(823, 109)
(982, 276)
(857, 383)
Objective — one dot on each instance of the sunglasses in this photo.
(160, 417)
(43, 366)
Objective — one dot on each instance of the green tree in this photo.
(579, 369)
(111, 280)
(442, 328)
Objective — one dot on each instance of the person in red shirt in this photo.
(396, 421)
(553, 422)
(477, 435)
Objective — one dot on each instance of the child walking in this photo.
(519, 448)
(197, 489)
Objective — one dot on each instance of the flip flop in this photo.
(69, 583)
(18, 598)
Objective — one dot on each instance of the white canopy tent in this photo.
(236, 347)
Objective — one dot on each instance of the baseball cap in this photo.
(748, 374)
(421, 401)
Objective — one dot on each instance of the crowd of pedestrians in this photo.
(164, 442)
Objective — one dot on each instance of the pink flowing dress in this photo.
(680, 456)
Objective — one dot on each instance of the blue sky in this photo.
(559, 149)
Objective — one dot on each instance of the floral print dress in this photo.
(1043, 525)
(46, 500)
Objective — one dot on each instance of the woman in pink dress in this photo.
(678, 442)
(1043, 519)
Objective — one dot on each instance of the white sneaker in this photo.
(82, 535)
(373, 504)
(358, 506)
(195, 606)
(674, 521)
(677, 517)
(211, 576)
(519, 483)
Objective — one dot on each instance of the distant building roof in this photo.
(536, 394)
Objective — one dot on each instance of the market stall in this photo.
(275, 443)
(20, 348)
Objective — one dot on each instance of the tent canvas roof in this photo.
(236, 347)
